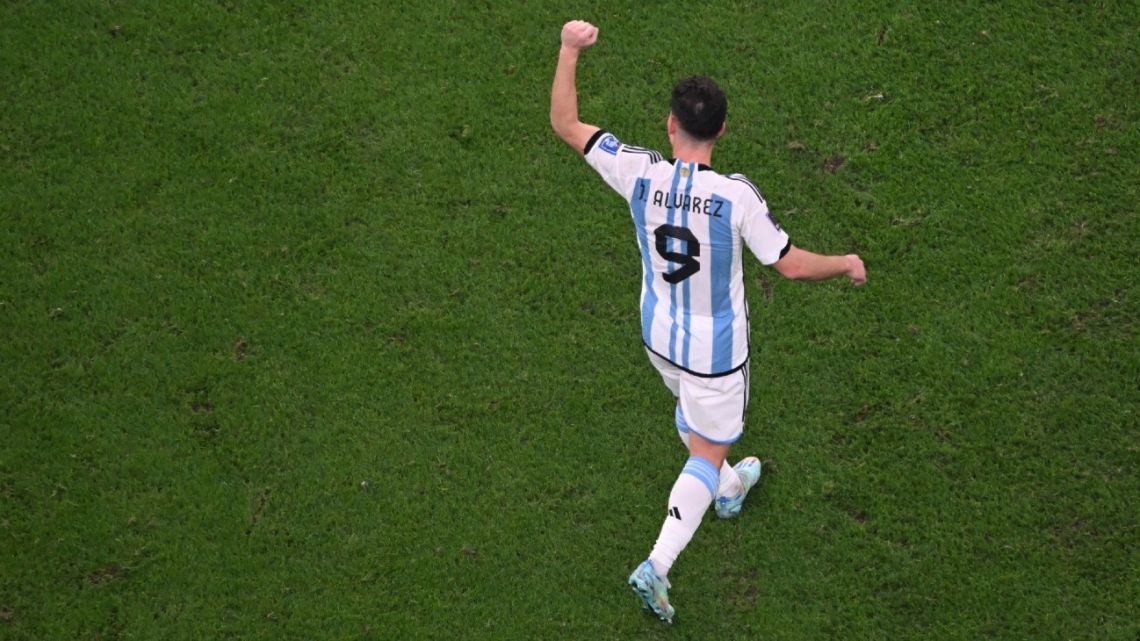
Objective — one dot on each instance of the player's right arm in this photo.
(576, 36)
(800, 264)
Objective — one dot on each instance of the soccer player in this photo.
(691, 224)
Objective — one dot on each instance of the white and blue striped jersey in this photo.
(691, 225)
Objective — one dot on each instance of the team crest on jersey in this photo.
(684, 172)
(610, 144)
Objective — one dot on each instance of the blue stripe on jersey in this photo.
(649, 300)
(705, 473)
(720, 237)
(669, 247)
(687, 289)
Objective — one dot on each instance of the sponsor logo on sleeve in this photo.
(610, 144)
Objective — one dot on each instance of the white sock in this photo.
(729, 484)
(690, 498)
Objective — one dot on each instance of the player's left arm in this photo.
(771, 246)
(576, 36)
(800, 264)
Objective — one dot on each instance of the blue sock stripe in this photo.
(682, 426)
(704, 471)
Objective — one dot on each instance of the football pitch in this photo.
(313, 329)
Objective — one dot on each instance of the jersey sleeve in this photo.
(620, 165)
(759, 229)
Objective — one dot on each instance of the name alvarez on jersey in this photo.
(685, 201)
(691, 224)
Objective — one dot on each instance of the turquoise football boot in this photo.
(652, 591)
(749, 471)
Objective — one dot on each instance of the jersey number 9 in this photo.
(688, 262)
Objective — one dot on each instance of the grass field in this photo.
(312, 329)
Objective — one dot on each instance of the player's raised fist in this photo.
(579, 34)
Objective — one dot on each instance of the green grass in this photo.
(311, 328)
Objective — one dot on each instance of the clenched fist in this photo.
(579, 34)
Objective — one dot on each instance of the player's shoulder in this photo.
(605, 142)
(651, 155)
(744, 184)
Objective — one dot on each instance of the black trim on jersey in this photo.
(700, 167)
(653, 155)
(744, 410)
(685, 369)
(593, 139)
(741, 179)
(785, 250)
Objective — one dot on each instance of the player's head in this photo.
(699, 107)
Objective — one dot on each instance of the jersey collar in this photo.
(700, 167)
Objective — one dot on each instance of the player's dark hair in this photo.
(699, 107)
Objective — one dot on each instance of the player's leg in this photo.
(712, 426)
(716, 409)
(692, 494)
(746, 472)
(729, 484)
(720, 403)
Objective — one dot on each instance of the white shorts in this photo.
(712, 406)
